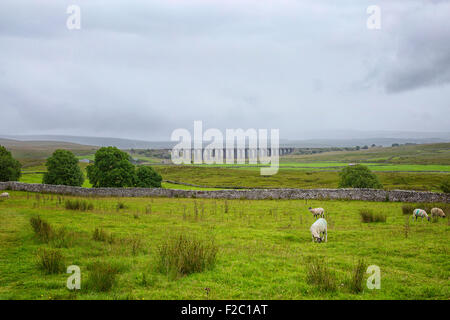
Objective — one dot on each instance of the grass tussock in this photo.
(121, 205)
(355, 284)
(319, 275)
(42, 229)
(50, 261)
(102, 277)
(408, 209)
(77, 204)
(102, 236)
(183, 255)
(368, 216)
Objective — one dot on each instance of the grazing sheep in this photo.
(4, 195)
(317, 212)
(420, 213)
(318, 230)
(437, 212)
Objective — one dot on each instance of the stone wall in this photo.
(254, 194)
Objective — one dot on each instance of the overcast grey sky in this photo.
(140, 69)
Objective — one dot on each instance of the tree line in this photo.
(111, 168)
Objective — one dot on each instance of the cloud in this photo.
(143, 69)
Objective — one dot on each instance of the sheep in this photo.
(317, 212)
(437, 212)
(318, 229)
(420, 213)
(4, 195)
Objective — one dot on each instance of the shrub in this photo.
(50, 261)
(147, 177)
(9, 167)
(358, 176)
(319, 275)
(445, 186)
(42, 229)
(77, 204)
(368, 216)
(63, 169)
(355, 283)
(183, 255)
(102, 277)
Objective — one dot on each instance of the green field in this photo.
(437, 153)
(262, 246)
(291, 178)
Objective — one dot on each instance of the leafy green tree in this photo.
(63, 168)
(358, 176)
(9, 167)
(147, 177)
(111, 168)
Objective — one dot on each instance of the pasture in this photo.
(263, 248)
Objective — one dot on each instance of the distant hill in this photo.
(36, 151)
(320, 139)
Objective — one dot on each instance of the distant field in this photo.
(292, 178)
(438, 153)
(263, 249)
(330, 166)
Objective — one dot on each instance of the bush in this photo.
(111, 168)
(77, 204)
(63, 169)
(147, 177)
(358, 176)
(50, 261)
(42, 229)
(445, 186)
(368, 216)
(355, 283)
(184, 255)
(319, 275)
(102, 277)
(9, 167)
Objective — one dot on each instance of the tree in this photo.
(111, 168)
(358, 176)
(9, 167)
(63, 169)
(147, 177)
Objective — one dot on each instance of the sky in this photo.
(140, 69)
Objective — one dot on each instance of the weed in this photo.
(50, 261)
(368, 216)
(183, 255)
(319, 275)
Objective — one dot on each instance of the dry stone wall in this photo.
(253, 194)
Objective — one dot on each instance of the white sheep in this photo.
(4, 195)
(437, 212)
(317, 212)
(419, 213)
(318, 230)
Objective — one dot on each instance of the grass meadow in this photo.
(263, 249)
